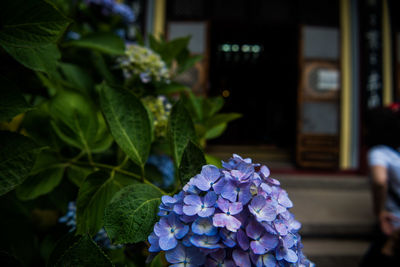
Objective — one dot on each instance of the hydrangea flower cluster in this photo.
(116, 8)
(234, 216)
(142, 61)
(101, 238)
(160, 107)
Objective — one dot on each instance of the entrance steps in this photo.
(336, 216)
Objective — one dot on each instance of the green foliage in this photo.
(128, 121)
(83, 134)
(12, 102)
(95, 193)
(44, 177)
(79, 251)
(192, 161)
(74, 119)
(130, 216)
(17, 157)
(180, 130)
(107, 43)
(29, 32)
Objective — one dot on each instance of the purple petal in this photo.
(289, 241)
(209, 199)
(219, 255)
(235, 208)
(232, 224)
(204, 226)
(167, 242)
(191, 210)
(162, 227)
(257, 247)
(254, 230)
(229, 238)
(219, 186)
(241, 258)
(206, 212)
(284, 200)
(181, 232)
(210, 172)
(281, 227)
(286, 254)
(168, 200)
(178, 209)
(223, 204)
(242, 239)
(266, 188)
(269, 241)
(202, 183)
(153, 240)
(203, 241)
(244, 194)
(192, 200)
(195, 257)
(176, 255)
(229, 192)
(219, 219)
(265, 172)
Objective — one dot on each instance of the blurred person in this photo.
(383, 140)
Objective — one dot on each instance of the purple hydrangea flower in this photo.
(169, 230)
(185, 256)
(202, 206)
(226, 219)
(218, 259)
(234, 216)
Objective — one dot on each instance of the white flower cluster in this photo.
(142, 61)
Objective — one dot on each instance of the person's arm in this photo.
(379, 192)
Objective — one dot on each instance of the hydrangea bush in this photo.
(234, 216)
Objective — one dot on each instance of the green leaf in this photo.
(221, 118)
(216, 125)
(156, 262)
(82, 252)
(94, 195)
(12, 102)
(102, 67)
(194, 106)
(180, 130)
(192, 161)
(30, 23)
(17, 157)
(212, 105)
(74, 119)
(172, 88)
(41, 58)
(103, 42)
(45, 176)
(132, 213)
(77, 174)
(215, 131)
(77, 77)
(128, 121)
(29, 32)
(188, 63)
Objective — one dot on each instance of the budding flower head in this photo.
(234, 216)
(145, 63)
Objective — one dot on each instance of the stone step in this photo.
(335, 252)
(337, 206)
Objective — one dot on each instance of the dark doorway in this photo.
(255, 66)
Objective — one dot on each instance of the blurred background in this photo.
(303, 73)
